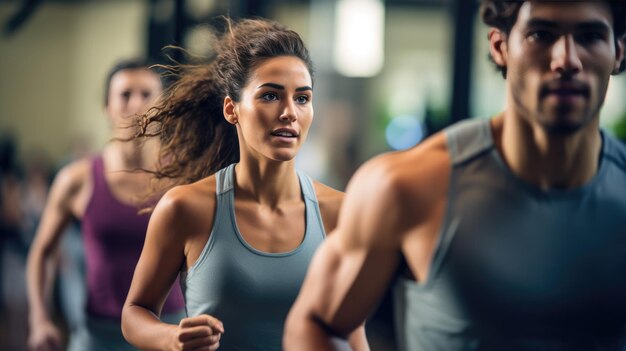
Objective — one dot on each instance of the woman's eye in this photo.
(302, 99)
(269, 97)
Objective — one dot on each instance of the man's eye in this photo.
(589, 37)
(541, 36)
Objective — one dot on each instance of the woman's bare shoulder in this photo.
(190, 206)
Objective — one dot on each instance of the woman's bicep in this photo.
(57, 214)
(161, 258)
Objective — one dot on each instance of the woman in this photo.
(244, 230)
(102, 193)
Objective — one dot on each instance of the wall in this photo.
(52, 71)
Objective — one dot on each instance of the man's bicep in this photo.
(352, 270)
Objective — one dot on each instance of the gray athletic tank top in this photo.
(248, 290)
(517, 267)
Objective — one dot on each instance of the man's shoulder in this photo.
(615, 150)
(414, 176)
(423, 161)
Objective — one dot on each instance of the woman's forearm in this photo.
(144, 330)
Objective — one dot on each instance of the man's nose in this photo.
(565, 56)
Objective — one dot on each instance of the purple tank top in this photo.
(113, 235)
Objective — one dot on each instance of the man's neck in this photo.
(547, 160)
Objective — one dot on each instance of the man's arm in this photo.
(330, 201)
(353, 267)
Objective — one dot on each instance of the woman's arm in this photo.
(67, 188)
(172, 226)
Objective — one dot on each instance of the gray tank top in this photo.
(517, 267)
(250, 291)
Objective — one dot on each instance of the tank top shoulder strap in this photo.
(97, 171)
(313, 213)
(223, 222)
(99, 190)
(224, 185)
(468, 139)
(308, 191)
(224, 179)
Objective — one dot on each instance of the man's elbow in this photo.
(305, 332)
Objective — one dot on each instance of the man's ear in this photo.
(230, 110)
(619, 54)
(497, 47)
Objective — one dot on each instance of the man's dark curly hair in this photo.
(502, 14)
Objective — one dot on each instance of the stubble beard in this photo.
(555, 123)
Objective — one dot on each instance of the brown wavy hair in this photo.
(502, 14)
(195, 138)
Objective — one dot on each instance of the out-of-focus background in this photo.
(388, 74)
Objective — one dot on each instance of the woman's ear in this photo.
(497, 47)
(230, 110)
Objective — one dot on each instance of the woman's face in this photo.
(275, 111)
(131, 92)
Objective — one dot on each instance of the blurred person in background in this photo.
(509, 233)
(103, 193)
(12, 244)
(37, 179)
(243, 224)
(11, 194)
(71, 288)
(11, 205)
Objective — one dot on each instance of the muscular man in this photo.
(510, 233)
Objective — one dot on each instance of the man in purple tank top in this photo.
(105, 196)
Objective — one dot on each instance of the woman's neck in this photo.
(268, 183)
(131, 155)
